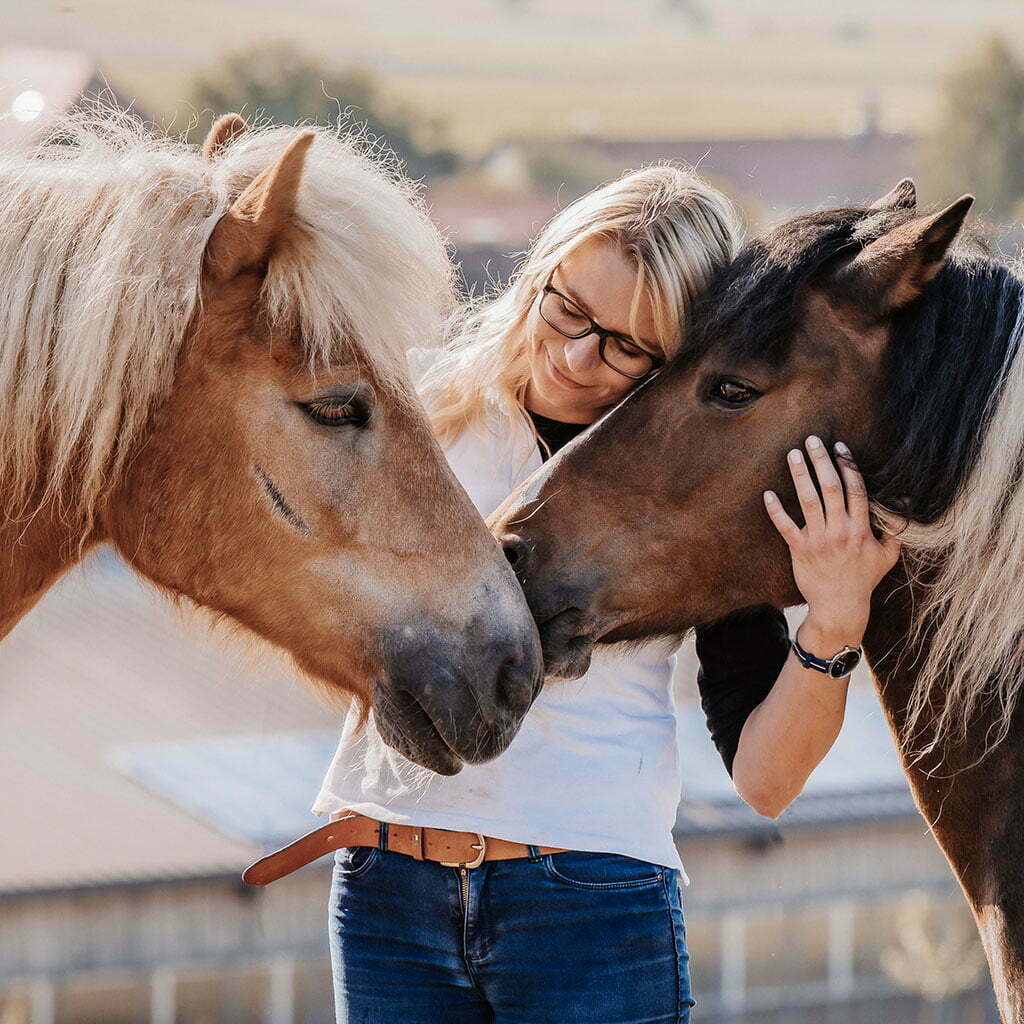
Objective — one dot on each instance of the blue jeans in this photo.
(566, 938)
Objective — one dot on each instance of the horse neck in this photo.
(888, 645)
(33, 555)
(950, 784)
(896, 650)
(972, 807)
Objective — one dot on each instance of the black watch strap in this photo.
(840, 665)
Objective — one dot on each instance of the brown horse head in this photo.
(238, 421)
(862, 325)
(653, 521)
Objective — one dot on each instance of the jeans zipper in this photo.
(464, 885)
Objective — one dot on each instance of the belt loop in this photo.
(382, 832)
(534, 853)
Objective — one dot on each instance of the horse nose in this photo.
(517, 552)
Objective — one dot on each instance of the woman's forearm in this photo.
(837, 563)
(792, 729)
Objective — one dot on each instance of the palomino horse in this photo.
(202, 362)
(870, 326)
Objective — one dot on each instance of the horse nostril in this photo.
(516, 551)
(518, 685)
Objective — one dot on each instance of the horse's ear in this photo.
(223, 133)
(902, 196)
(892, 271)
(245, 236)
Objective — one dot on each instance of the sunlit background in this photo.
(143, 762)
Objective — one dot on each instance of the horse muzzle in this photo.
(444, 701)
(562, 605)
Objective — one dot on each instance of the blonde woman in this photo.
(543, 887)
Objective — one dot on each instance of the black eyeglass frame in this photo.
(593, 327)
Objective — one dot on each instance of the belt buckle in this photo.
(470, 863)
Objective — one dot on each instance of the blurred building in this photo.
(496, 205)
(145, 763)
(782, 176)
(37, 86)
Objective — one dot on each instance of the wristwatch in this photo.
(839, 666)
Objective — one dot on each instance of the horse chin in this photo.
(567, 646)
(405, 726)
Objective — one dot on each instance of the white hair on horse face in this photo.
(102, 236)
(975, 604)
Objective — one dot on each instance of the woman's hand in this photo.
(837, 560)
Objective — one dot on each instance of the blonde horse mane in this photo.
(972, 604)
(102, 234)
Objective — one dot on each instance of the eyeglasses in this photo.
(622, 354)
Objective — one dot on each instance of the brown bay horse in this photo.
(881, 327)
(202, 363)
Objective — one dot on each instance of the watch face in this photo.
(844, 663)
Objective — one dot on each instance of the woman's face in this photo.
(568, 380)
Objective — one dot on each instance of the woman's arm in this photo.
(837, 563)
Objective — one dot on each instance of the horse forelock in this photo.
(102, 237)
(753, 305)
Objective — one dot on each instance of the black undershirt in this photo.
(740, 656)
(554, 433)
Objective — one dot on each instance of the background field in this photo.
(494, 68)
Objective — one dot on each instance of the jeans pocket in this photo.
(601, 870)
(355, 861)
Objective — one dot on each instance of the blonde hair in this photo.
(102, 236)
(676, 229)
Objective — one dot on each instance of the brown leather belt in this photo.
(451, 849)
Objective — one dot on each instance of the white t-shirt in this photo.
(595, 765)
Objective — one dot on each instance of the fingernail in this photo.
(813, 441)
(841, 448)
(795, 457)
(769, 497)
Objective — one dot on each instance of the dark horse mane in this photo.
(944, 367)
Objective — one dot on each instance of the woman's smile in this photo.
(560, 378)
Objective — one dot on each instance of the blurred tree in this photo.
(979, 143)
(287, 85)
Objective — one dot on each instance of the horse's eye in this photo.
(733, 393)
(335, 412)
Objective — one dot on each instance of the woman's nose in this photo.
(582, 353)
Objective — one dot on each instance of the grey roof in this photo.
(136, 746)
(258, 788)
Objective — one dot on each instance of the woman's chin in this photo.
(546, 400)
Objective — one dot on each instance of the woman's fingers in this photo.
(828, 480)
(856, 491)
(807, 494)
(780, 518)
